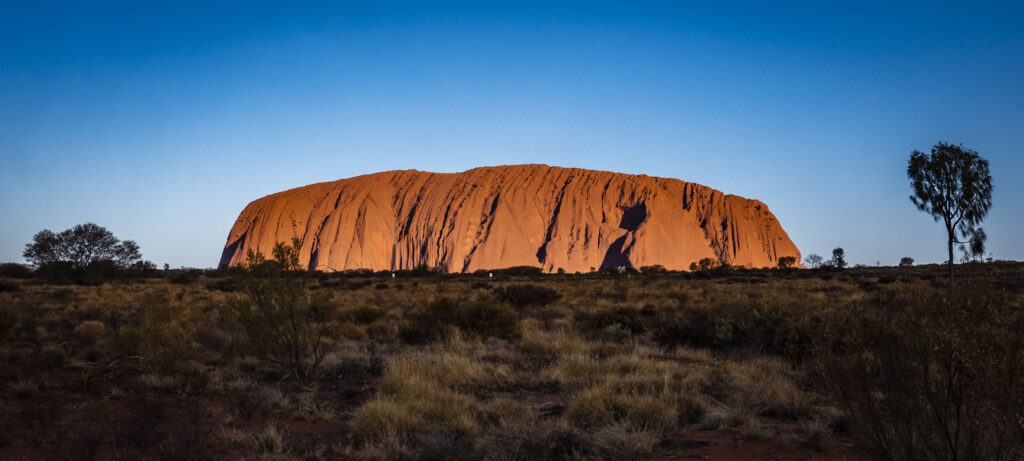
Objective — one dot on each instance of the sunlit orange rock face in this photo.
(520, 215)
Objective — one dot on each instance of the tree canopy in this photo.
(80, 246)
(813, 261)
(838, 260)
(953, 184)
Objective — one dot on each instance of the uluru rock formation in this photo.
(520, 215)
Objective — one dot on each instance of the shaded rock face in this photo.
(521, 215)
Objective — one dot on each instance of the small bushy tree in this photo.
(653, 269)
(838, 260)
(287, 256)
(786, 262)
(15, 270)
(81, 246)
(282, 322)
(814, 261)
(906, 261)
(705, 264)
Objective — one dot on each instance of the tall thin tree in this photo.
(953, 184)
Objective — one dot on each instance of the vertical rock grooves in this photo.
(542, 252)
(520, 215)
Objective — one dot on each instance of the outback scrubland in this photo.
(886, 363)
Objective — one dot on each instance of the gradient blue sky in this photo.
(162, 121)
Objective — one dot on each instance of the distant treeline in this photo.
(105, 271)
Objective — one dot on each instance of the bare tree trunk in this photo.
(949, 245)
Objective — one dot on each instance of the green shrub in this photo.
(705, 264)
(482, 318)
(523, 295)
(184, 276)
(519, 270)
(363, 314)
(489, 319)
(772, 328)
(780, 330)
(617, 332)
(284, 324)
(627, 318)
(281, 321)
(15, 270)
(930, 375)
(655, 269)
(430, 322)
(698, 327)
(225, 284)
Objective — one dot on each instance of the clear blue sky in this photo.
(162, 121)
